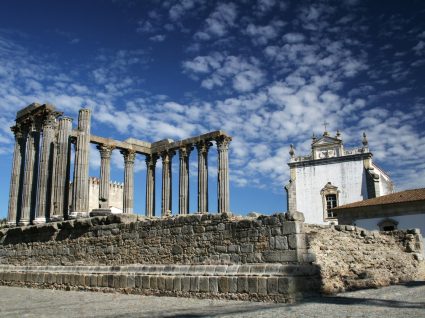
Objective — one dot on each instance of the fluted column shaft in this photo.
(166, 198)
(150, 184)
(105, 173)
(184, 154)
(203, 147)
(62, 169)
(128, 195)
(80, 193)
(16, 177)
(32, 137)
(223, 174)
(43, 199)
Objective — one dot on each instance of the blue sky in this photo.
(267, 72)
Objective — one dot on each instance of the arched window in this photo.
(388, 225)
(329, 195)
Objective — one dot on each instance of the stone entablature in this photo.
(39, 188)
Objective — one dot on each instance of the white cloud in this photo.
(158, 38)
(219, 21)
(261, 35)
(293, 37)
(419, 48)
(244, 74)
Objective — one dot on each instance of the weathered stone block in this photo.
(131, 281)
(242, 284)
(194, 284)
(233, 248)
(297, 241)
(213, 284)
(272, 285)
(252, 285)
(233, 284)
(262, 286)
(93, 280)
(280, 256)
(161, 283)
(185, 281)
(223, 284)
(169, 283)
(153, 282)
(204, 284)
(177, 283)
(281, 243)
(247, 248)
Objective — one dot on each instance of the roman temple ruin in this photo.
(40, 181)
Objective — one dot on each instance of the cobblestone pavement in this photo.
(396, 301)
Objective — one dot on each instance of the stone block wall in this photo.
(267, 258)
(122, 239)
(351, 258)
(203, 255)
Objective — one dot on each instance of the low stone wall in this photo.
(351, 258)
(204, 255)
(265, 282)
(122, 240)
(267, 258)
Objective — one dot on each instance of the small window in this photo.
(388, 225)
(331, 203)
(330, 200)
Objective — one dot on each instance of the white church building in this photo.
(331, 176)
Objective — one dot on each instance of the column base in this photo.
(11, 224)
(78, 215)
(23, 222)
(56, 218)
(39, 220)
(100, 212)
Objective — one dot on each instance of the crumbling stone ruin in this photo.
(264, 258)
(41, 168)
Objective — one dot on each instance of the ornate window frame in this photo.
(329, 189)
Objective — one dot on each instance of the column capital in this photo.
(167, 155)
(185, 151)
(17, 131)
(129, 155)
(203, 146)
(49, 121)
(223, 142)
(105, 151)
(151, 159)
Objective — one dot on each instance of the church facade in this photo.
(331, 176)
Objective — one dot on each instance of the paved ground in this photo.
(395, 301)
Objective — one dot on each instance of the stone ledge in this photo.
(242, 287)
(186, 270)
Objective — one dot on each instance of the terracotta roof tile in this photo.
(397, 197)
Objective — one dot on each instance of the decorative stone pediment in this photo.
(326, 141)
(326, 147)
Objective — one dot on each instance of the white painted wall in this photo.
(348, 176)
(412, 221)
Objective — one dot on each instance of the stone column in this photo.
(43, 197)
(203, 147)
(150, 184)
(166, 199)
(62, 170)
(223, 174)
(105, 173)
(29, 174)
(80, 193)
(184, 153)
(128, 195)
(17, 176)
